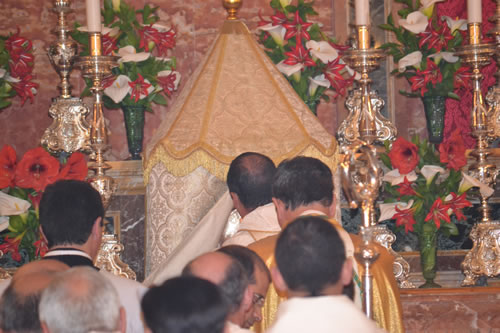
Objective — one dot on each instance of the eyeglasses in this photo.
(258, 300)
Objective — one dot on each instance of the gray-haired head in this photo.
(80, 300)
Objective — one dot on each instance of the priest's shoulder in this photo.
(264, 247)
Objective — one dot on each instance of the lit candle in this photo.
(362, 12)
(474, 11)
(93, 15)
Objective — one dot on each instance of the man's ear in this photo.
(279, 282)
(45, 329)
(280, 211)
(123, 320)
(346, 274)
(332, 209)
(97, 227)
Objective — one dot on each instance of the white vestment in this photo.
(233, 328)
(323, 314)
(260, 223)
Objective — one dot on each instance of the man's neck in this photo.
(236, 319)
(79, 247)
(317, 207)
(331, 290)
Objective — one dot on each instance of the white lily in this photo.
(415, 22)
(318, 81)
(4, 223)
(395, 178)
(285, 3)
(430, 171)
(129, 54)
(428, 6)
(322, 50)
(160, 27)
(455, 24)
(10, 205)
(11, 79)
(468, 182)
(119, 89)
(290, 70)
(177, 77)
(447, 56)
(104, 30)
(411, 59)
(277, 32)
(352, 72)
(388, 210)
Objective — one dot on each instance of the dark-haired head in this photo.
(310, 256)
(185, 305)
(68, 210)
(301, 181)
(250, 177)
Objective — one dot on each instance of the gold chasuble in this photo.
(387, 310)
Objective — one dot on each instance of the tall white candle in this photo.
(474, 11)
(362, 10)
(93, 15)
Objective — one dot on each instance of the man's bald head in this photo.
(224, 271)
(19, 302)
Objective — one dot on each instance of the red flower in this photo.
(333, 74)
(432, 72)
(41, 246)
(148, 34)
(139, 87)
(25, 88)
(418, 82)
(278, 18)
(108, 44)
(404, 156)
(167, 83)
(166, 41)
(405, 217)
(457, 203)
(438, 212)
(452, 151)
(297, 28)
(11, 245)
(37, 169)
(299, 55)
(435, 38)
(75, 167)
(405, 188)
(35, 201)
(262, 20)
(462, 78)
(16, 44)
(8, 161)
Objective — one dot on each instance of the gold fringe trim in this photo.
(201, 158)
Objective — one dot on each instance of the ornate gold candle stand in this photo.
(484, 257)
(493, 96)
(366, 123)
(69, 131)
(97, 68)
(361, 181)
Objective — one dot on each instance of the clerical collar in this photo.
(313, 212)
(66, 252)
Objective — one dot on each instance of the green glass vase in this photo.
(134, 126)
(427, 241)
(435, 108)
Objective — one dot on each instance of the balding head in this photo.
(228, 274)
(249, 180)
(19, 302)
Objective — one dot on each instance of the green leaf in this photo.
(450, 228)
(386, 27)
(160, 99)
(386, 160)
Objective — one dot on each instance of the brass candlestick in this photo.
(365, 122)
(361, 180)
(482, 259)
(69, 131)
(97, 67)
(493, 96)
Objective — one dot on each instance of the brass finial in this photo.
(232, 7)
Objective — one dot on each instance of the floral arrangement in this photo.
(16, 69)
(308, 58)
(145, 74)
(425, 187)
(22, 184)
(424, 49)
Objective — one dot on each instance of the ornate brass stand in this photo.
(361, 181)
(69, 131)
(484, 257)
(365, 123)
(98, 67)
